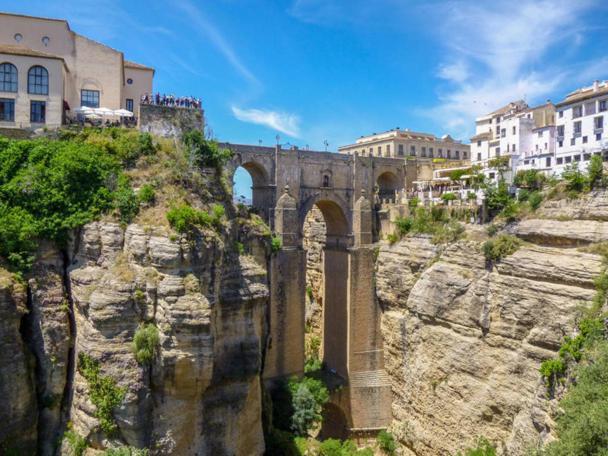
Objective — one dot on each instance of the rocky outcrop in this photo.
(201, 393)
(313, 242)
(464, 339)
(19, 411)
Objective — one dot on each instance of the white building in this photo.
(581, 118)
(518, 134)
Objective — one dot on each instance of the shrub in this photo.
(145, 343)
(184, 218)
(458, 173)
(280, 443)
(502, 246)
(240, 248)
(392, 238)
(446, 233)
(531, 179)
(18, 234)
(497, 197)
(217, 215)
(551, 370)
(308, 395)
(104, 393)
(511, 211)
(204, 152)
(483, 448)
(404, 225)
(492, 230)
(413, 202)
(534, 200)
(471, 195)
(76, 442)
(448, 196)
(146, 194)
(276, 244)
(386, 442)
(595, 171)
(576, 181)
(523, 195)
(125, 200)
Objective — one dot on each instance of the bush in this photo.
(76, 442)
(413, 202)
(576, 181)
(551, 370)
(104, 393)
(146, 194)
(281, 443)
(217, 215)
(125, 200)
(497, 197)
(386, 442)
(18, 234)
(145, 343)
(392, 238)
(492, 230)
(534, 200)
(523, 195)
(204, 152)
(184, 218)
(483, 448)
(448, 196)
(471, 196)
(531, 179)
(276, 244)
(404, 225)
(504, 245)
(595, 171)
(308, 395)
(447, 233)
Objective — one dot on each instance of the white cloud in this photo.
(279, 121)
(497, 52)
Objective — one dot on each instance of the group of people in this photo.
(171, 100)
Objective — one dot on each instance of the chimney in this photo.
(596, 85)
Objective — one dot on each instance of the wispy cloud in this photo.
(280, 121)
(497, 53)
(205, 27)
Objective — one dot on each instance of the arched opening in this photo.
(251, 188)
(325, 238)
(335, 424)
(388, 184)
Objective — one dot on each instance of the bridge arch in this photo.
(262, 191)
(388, 184)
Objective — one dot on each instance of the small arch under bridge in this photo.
(346, 188)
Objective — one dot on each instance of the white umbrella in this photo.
(84, 110)
(123, 113)
(92, 116)
(104, 111)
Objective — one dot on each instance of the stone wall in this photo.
(167, 121)
(313, 242)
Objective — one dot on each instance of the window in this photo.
(423, 152)
(560, 114)
(18, 37)
(590, 108)
(584, 140)
(577, 128)
(536, 147)
(598, 136)
(129, 104)
(560, 144)
(431, 152)
(586, 157)
(478, 143)
(508, 147)
(513, 148)
(577, 111)
(457, 154)
(598, 123)
(568, 159)
(400, 148)
(497, 151)
(90, 98)
(371, 151)
(526, 162)
(45, 40)
(388, 150)
(412, 150)
(326, 181)
(38, 81)
(540, 134)
(440, 153)
(503, 132)
(514, 129)
(492, 175)
(573, 141)
(8, 77)
(560, 131)
(464, 154)
(449, 155)
(560, 161)
(602, 105)
(497, 130)
(548, 162)
(577, 158)
(38, 112)
(7, 110)
(478, 156)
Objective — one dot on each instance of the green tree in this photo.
(595, 171)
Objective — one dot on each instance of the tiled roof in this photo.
(138, 66)
(585, 94)
(505, 109)
(20, 50)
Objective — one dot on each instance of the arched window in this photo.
(38, 80)
(8, 77)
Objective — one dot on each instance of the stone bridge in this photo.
(286, 185)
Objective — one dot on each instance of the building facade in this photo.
(399, 143)
(580, 121)
(47, 70)
(517, 136)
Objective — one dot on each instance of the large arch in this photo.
(262, 197)
(388, 184)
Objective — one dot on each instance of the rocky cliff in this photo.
(464, 337)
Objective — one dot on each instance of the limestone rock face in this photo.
(19, 412)
(201, 394)
(464, 340)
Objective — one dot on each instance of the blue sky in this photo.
(316, 70)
